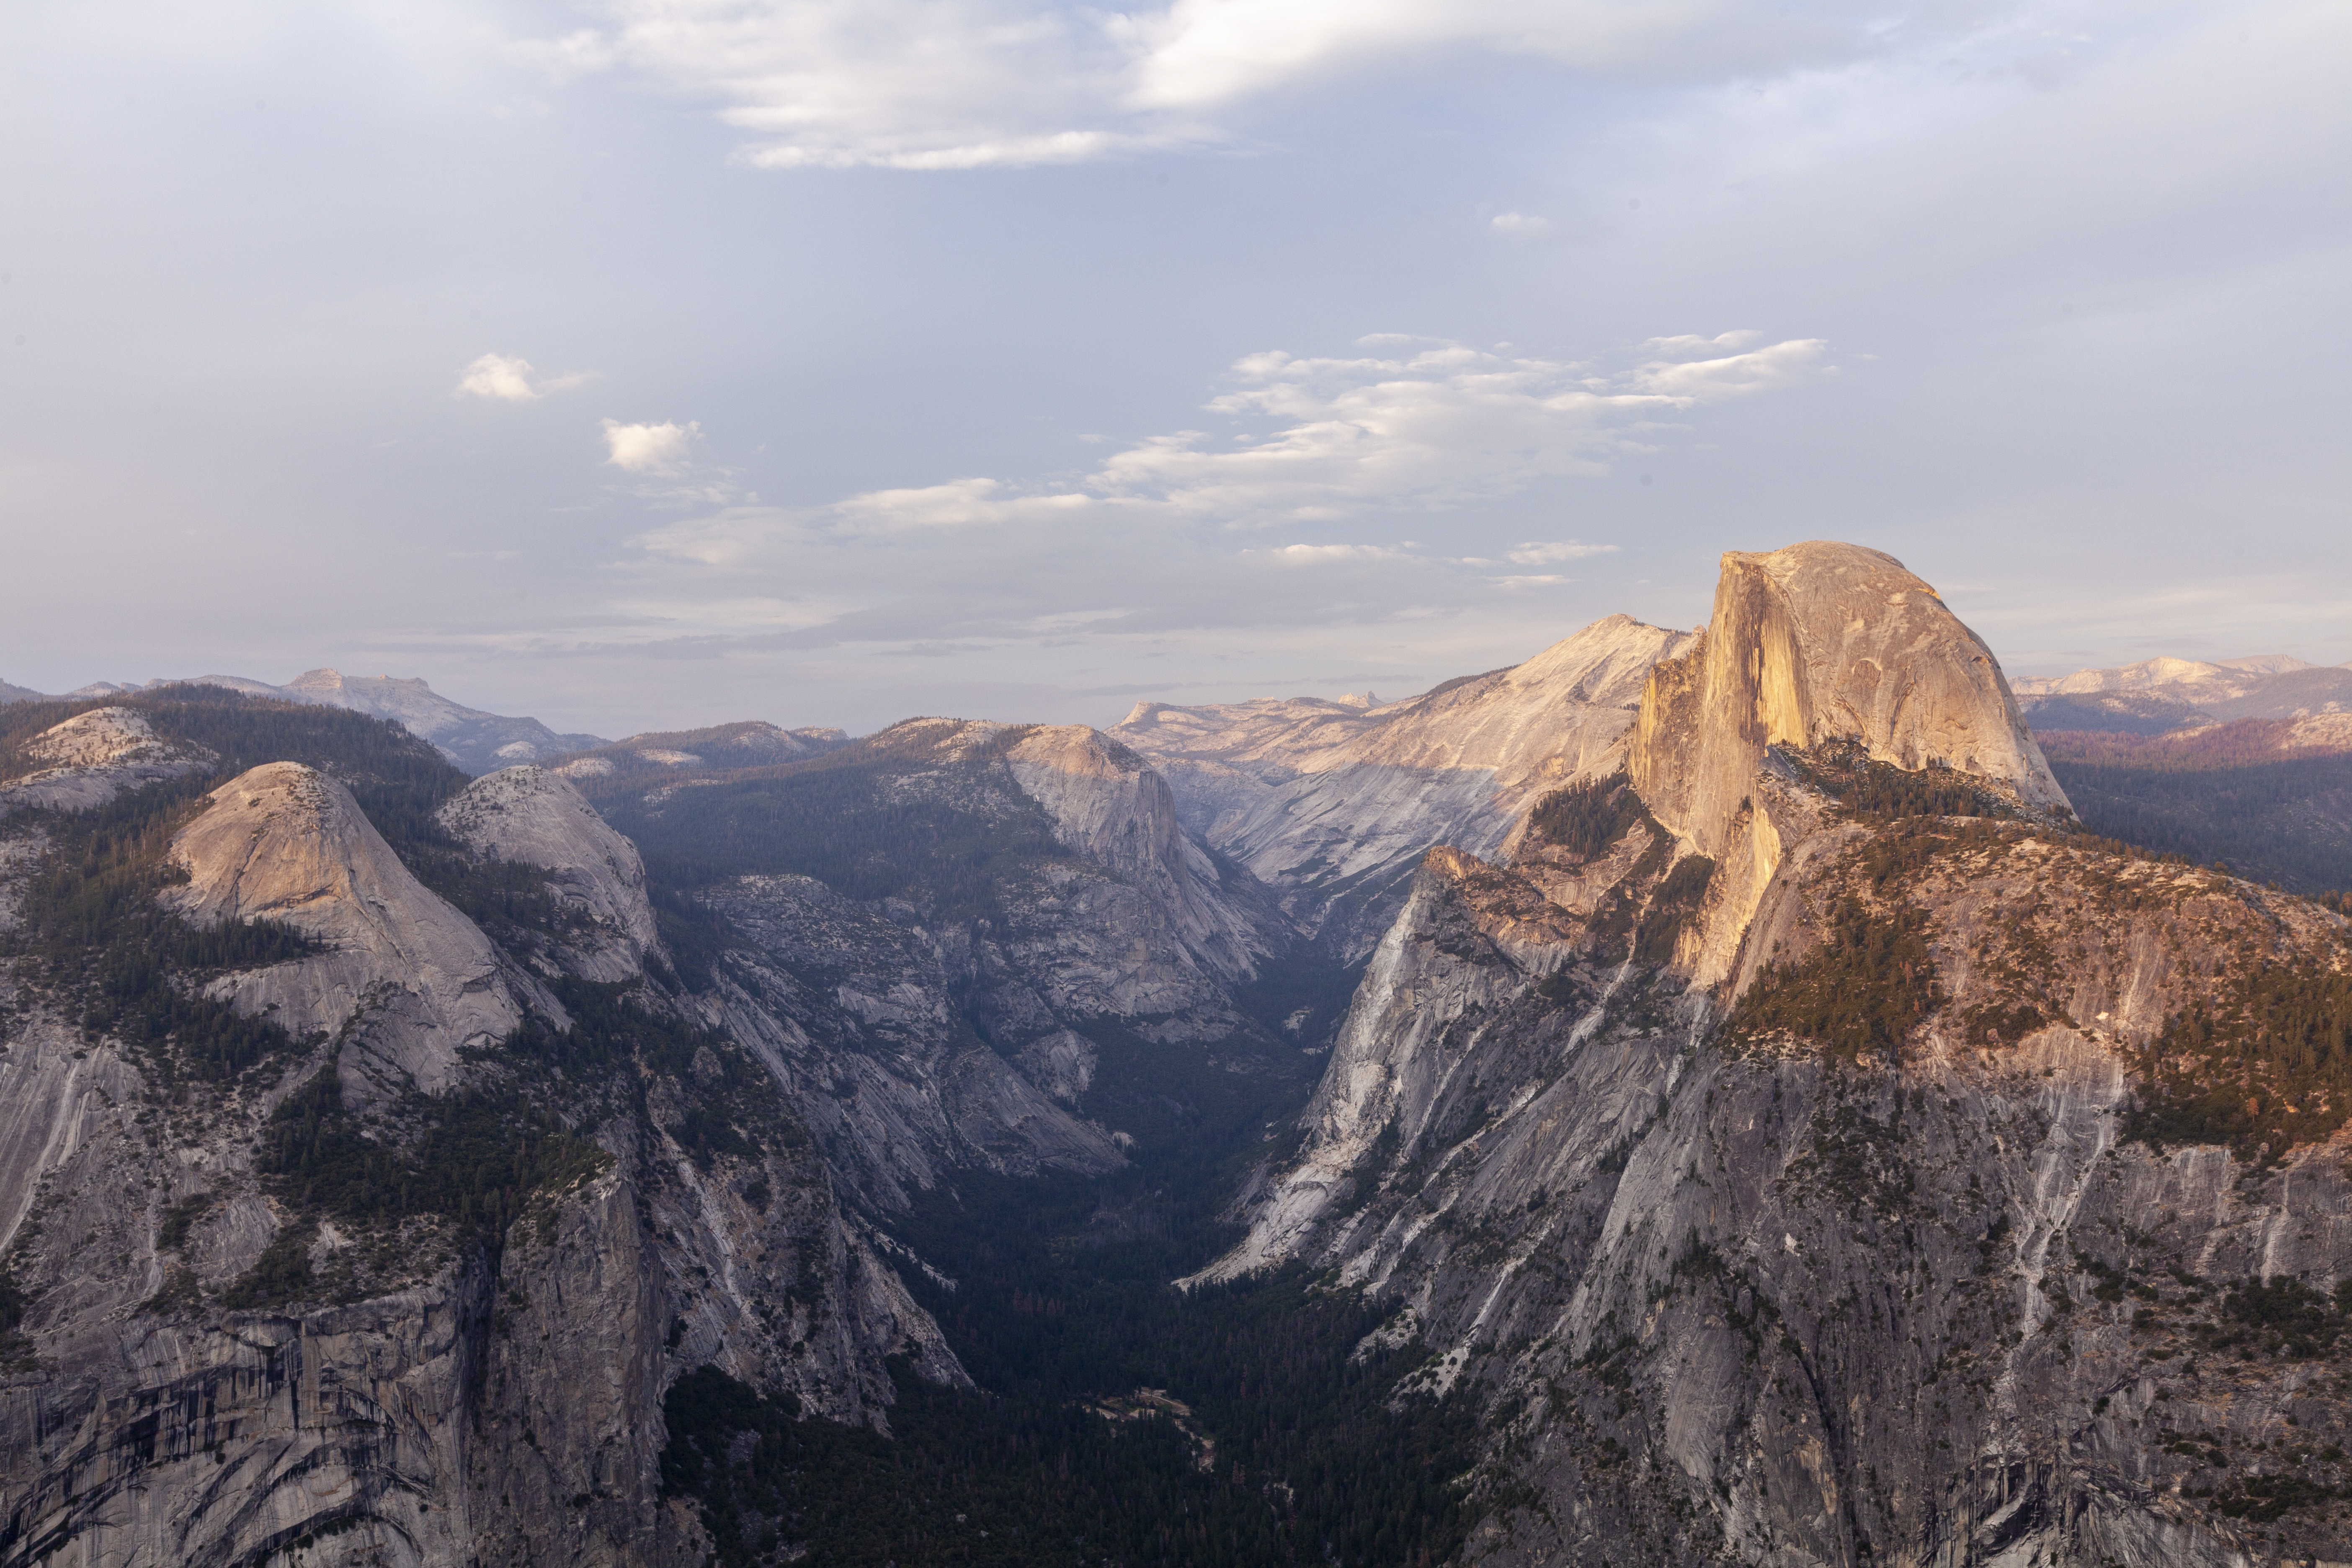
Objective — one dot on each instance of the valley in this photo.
(1765, 1095)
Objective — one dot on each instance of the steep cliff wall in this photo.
(1334, 805)
(1813, 644)
(1818, 1152)
(377, 1253)
(1778, 1291)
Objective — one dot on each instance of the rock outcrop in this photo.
(1914, 1194)
(1810, 644)
(407, 978)
(533, 817)
(407, 1283)
(92, 757)
(1333, 803)
(857, 1010)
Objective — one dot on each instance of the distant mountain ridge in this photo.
(2159, 695)
(1335, 802)
(668, 757)
(477, 742)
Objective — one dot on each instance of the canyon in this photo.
(1708, 1096)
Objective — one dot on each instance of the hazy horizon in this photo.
(638, 366)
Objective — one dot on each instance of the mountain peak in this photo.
(1816, 642)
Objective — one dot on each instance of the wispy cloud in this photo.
(1161, 541)
(505, 380)
(969, 84)
(1519, 226)
(1317, 440)
(1539, 553)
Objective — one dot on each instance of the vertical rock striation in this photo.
(1792, 1171)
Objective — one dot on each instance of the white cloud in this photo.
(510, 380)
(662, 448)
(494, 375)
(1330, 555)
(956, 504)
(966, 84)
(1317, 440)
(1520, 225)
(1545, 553)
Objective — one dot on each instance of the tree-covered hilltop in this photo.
(2225, 793)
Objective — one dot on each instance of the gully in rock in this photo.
(1689, 1096)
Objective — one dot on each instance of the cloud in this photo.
(662, 448)
(958, 503)
(1682, 372)
(1329, 554)
(1307, 441)
(1540, 554)
(1520, 225)
(1139, 552)
(972, 84)
(510, 380)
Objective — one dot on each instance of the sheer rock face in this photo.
(855, 1009)
(488, 1410)
(410, 978)
(1735, 1291)
(92, 757)
(1133, 921)
(533, 817)
(1812, 643)
(1819, 642)
(1107, 804)
(1325, 800)
(1740, 1302)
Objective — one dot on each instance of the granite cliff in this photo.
(1808, 1147)
(1332, 803)
(1767, 1128)
(336, 1230)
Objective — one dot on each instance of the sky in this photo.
(655, 364)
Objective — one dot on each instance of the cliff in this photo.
(1809, 645)
(1333, 803)
(1924, 1190)
(328, 1233)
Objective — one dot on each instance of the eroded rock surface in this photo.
(92, 757)
(534, 818)
(1911, 1190)
(1335, 802)
(401, 972)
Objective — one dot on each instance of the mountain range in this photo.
(2161, 695)
(1689, 1096)
(476, 741)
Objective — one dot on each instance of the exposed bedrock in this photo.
(1742, 1301)
(408, 978)
(1332, 803)
(533, 817)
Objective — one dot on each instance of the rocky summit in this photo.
(1693, 1096)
